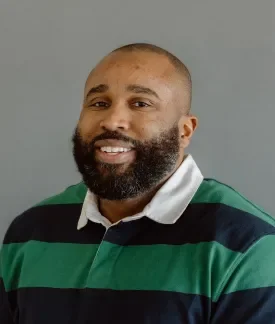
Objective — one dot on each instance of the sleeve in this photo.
(5, 312)
(247, 295)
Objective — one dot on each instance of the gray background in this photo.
(47, 49)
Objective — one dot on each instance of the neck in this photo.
(115, 210)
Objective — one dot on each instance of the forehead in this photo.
(146, 69)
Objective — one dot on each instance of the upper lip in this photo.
(113, 143)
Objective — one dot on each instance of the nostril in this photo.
(112, 126)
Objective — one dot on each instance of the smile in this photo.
(110, 149)
(115, 155)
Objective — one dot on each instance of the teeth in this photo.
(110, 149)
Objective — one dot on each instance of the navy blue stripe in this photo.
(231, 227)
(53, 223)
(60, 306)
(5, 312)
(254, 306)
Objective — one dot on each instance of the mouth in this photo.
(115, 154)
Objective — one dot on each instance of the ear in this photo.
(187, 127)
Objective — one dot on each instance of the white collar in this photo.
(167, 205)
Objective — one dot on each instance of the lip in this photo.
(113, 143)
(115, 158)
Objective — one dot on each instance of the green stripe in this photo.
(1, 265)
(72, 195)
(41, 264)
(180, 268)
(256, 268)
(211, 191)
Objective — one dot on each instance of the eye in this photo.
(140, 104)
(99, 104)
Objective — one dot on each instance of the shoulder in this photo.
(55, 212)
(74, 194)
(232, 219)
(214, 192)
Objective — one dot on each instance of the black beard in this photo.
(155, 160)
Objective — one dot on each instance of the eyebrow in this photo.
(140, 89)
(101, 88)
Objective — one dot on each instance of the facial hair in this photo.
(155, 160)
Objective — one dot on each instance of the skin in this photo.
(140, 116)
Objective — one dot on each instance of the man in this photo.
(144, 238)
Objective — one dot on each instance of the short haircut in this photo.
(179, 66)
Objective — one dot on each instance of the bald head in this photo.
(179, 66)
(181, 71)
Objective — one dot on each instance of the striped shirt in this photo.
(213, 264)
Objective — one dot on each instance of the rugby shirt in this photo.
(214, 264)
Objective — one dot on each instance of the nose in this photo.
(116, 118)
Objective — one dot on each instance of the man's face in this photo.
(127, 139)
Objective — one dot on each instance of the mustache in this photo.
(115, 136)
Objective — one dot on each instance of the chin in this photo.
(108, 168)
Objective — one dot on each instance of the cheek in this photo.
(147, 127)
(87, 125)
